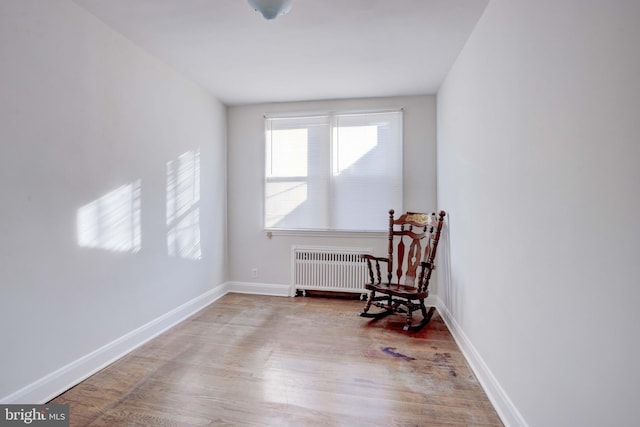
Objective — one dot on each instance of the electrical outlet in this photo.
(254, 273)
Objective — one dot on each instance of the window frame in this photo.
(332, 115)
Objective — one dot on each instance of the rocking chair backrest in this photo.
(414, 236)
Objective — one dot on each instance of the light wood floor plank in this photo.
(250, 360)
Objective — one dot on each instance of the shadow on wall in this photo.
(445, 289)
(113, 221)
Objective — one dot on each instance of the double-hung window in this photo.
(333, 171)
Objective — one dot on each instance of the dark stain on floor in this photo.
(390, 351)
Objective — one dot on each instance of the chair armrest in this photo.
(375, 258)
(377, 261)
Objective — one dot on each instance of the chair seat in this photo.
(401, 291)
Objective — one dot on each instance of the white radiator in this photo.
(324, 268)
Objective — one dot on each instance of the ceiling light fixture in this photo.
(271, 9)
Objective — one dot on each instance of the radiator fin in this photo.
(330, 269)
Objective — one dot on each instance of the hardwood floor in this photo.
(250, 360)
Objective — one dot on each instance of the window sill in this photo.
(326, 233)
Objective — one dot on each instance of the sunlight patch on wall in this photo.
(183, 206)
(112, 222)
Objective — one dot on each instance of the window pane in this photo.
(296, 174)
(288, 152)
(351, 144)
(367, 178)
(334, 172)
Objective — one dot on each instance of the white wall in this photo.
(539, 168)
(248, 245)
(84, 112)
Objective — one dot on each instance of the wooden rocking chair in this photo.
(407, 285)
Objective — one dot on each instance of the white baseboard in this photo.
(505, 408)
(51, 385)
(271, 289)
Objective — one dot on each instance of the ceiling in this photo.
(321, 49)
